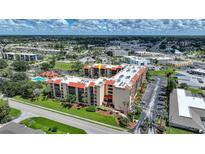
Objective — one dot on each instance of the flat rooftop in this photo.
(186, 102)
(74, 81)
(179, 62)
(199, 70)
(13, 53)
(135, 58)
(125, 76)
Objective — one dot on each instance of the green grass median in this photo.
(172, 130)
(51, 127)
(14, 113)
(56, 105)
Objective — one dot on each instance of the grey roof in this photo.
(190, 81)
(193, 123)
(15, 128)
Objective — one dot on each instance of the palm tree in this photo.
(126, 105)
(71, 98)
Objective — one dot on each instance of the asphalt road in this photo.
(150, 98)
(90, 128)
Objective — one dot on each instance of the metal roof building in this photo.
(186, 111)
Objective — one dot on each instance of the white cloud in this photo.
(102, 26)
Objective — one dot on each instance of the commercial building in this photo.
(87, 60)
(179, 63)
(191, 81)
(21, 56)
(101, 70)
(116, 51)
(117, 91)
(186, 111)
(120, 52)
(137, 60)
(198, 71)
(143, 53)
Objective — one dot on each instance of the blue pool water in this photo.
(180, 75)
(38, 79)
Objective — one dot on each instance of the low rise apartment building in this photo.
(117, 91)
(21, 56)
(101, 70)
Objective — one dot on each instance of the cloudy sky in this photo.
(102, 27)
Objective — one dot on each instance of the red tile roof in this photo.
(110, 82)
(92, 84)
(138, 75)
(49, 81)
(49, 74)
(114, 68)
(57, 81)
(119, 67)
(76, 85)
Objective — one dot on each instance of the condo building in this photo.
(104, 70)
(117, 91)
(21, 56)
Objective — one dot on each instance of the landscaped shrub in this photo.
(53, 129)
(123, 121)
(66, 105)
(91, 108)
(102, 108)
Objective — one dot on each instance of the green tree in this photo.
(183, 85)
(52, 62)
(3, 64)
(45, 66)
(162, 46)
(10, 88)
(46, 90)
(171, 85)
(19, 77)
(4, 112)
(123, 121)
(6, 73)
(71, 98)
(20, 66)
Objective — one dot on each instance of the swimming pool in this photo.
(38, 79)
(180, 75)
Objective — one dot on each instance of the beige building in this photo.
(180, 63)
(101, 70)
(117, 91)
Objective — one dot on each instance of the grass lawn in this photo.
(172, 130)
(161, 72)
(14, 113)
(56, 105)
(50, 126)
(63, 66)
(195, 91)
